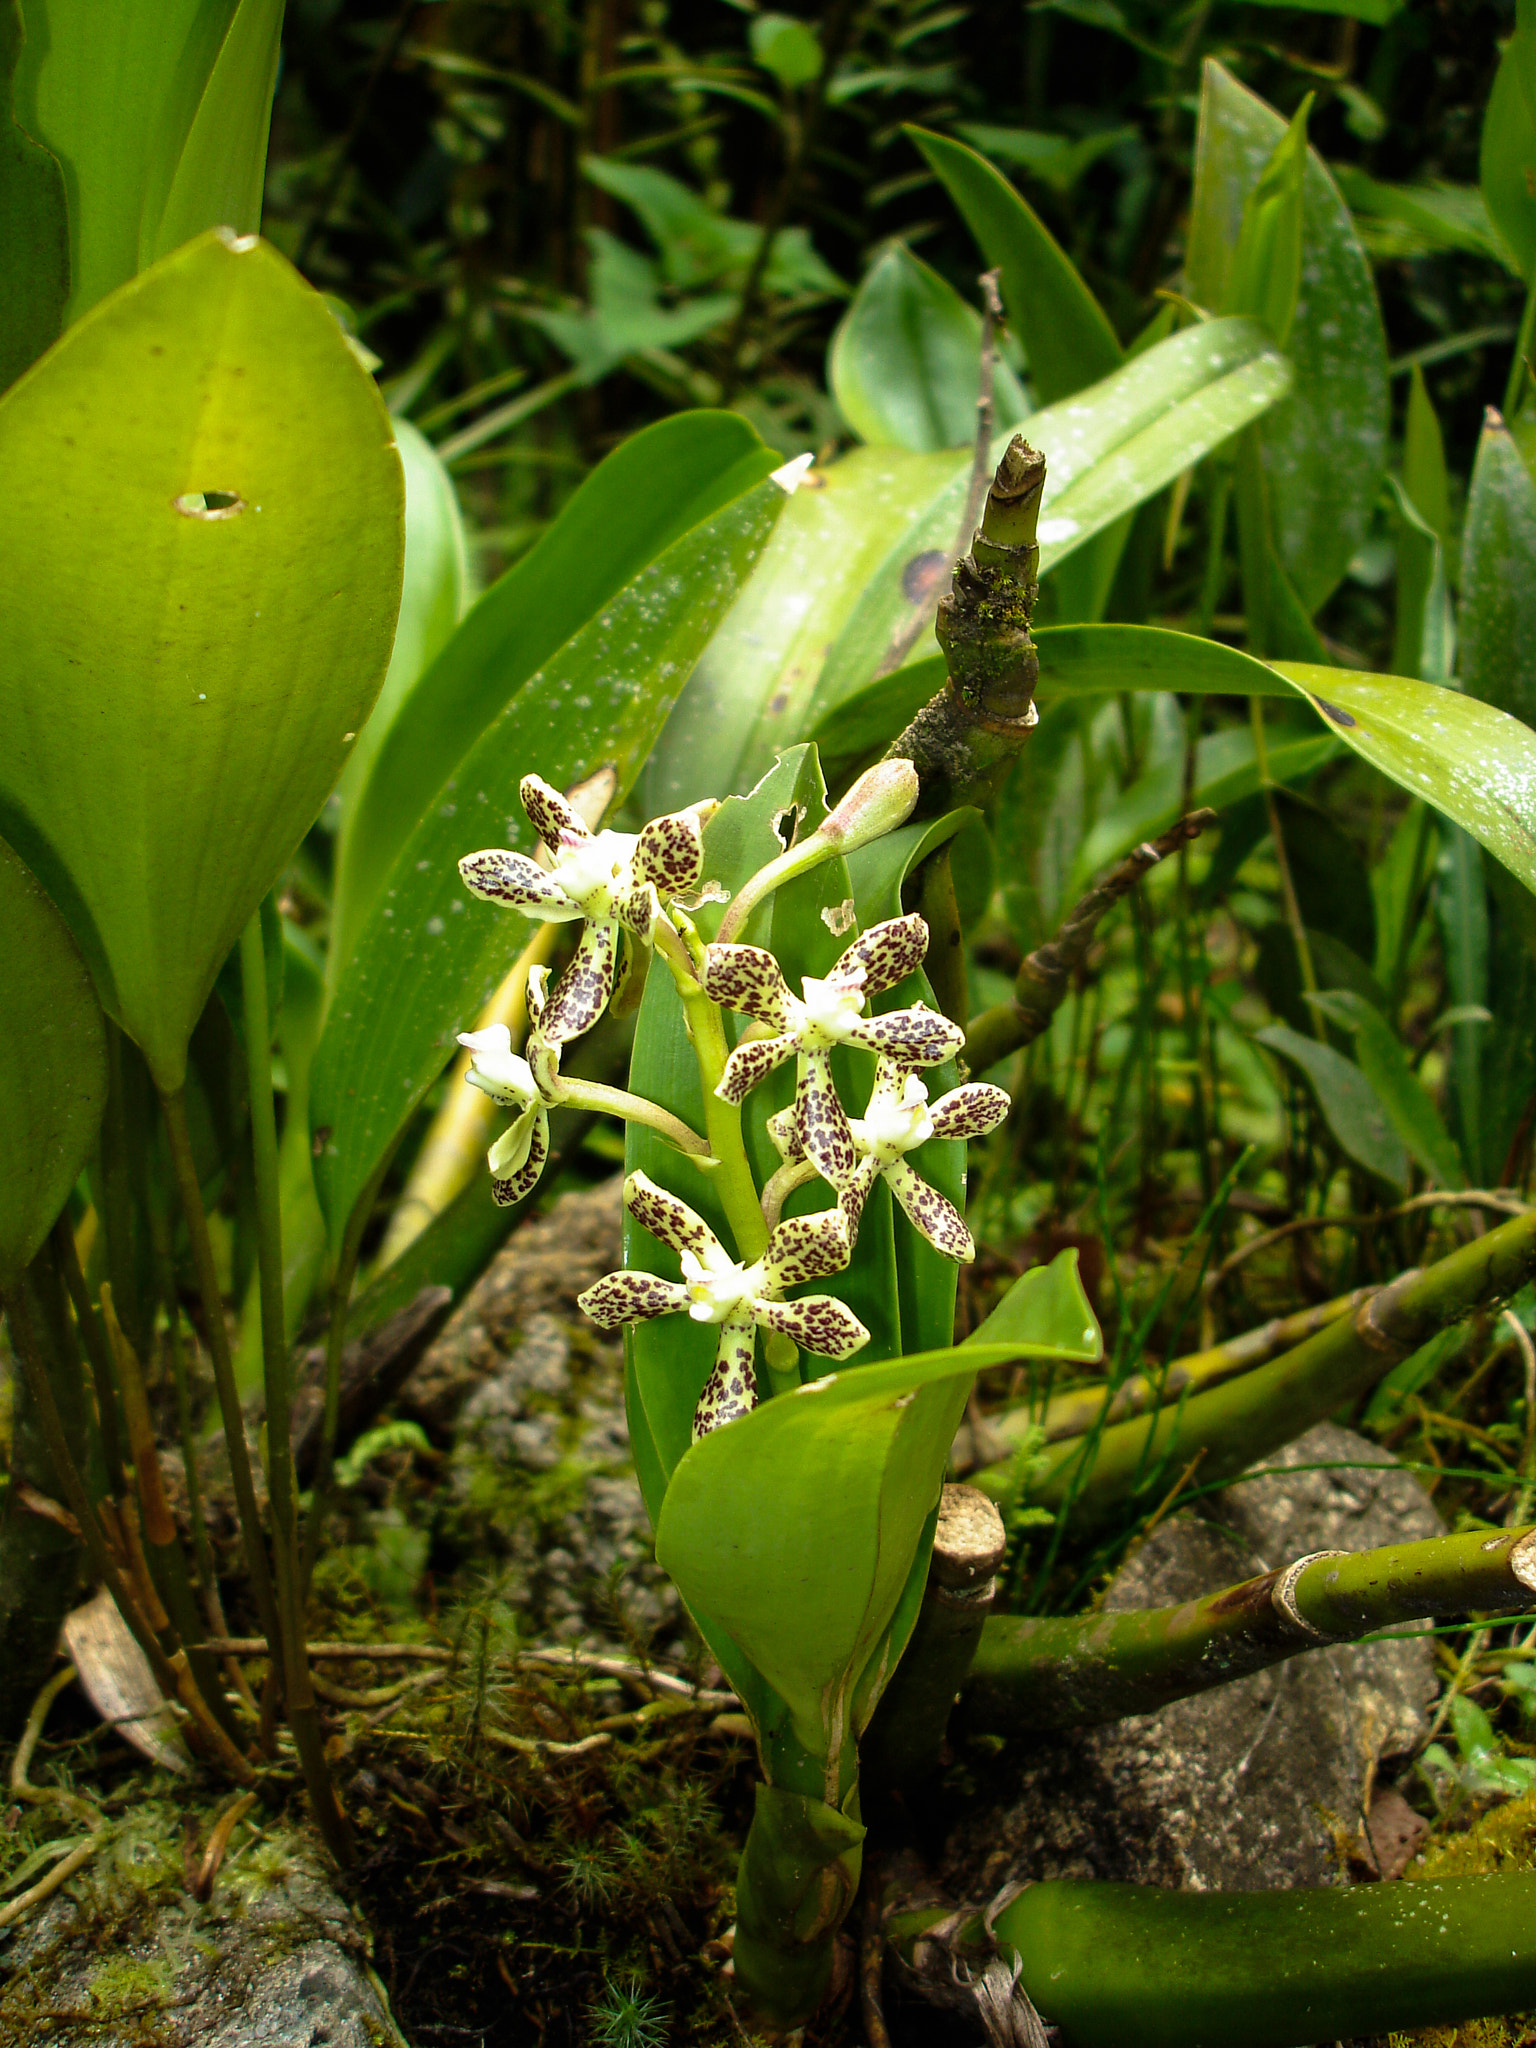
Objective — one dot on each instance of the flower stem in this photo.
(634, 1109)
(298, 1692)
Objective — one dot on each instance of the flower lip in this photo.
(893, 1125)
(832, 1006)
(717, 1286)
(495, 1068)
(590, 871)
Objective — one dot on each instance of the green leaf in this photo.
(1046, 1314)
(34, 225)
(1059, 160)
(1109, 449)
(905, 362)
(1065, 332)
(1266, 264)
(700, 246)
(646, 495)
(1413, 220)
(1324, 446)
(1498, 578)
(1507, 160)
(429, 955)
(1424, 638)
(786, 47)
(794, 1530)
(124, 97)
(1475, 764)
(434, 593)
(746, 700)
(1376, 12)
(1408, 1103)
(1350, 1106)
(53, 1065)
(179, 690)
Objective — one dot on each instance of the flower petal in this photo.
(667, 1217)
(806, 1248)
(620, 1298)
(818, 1322)
(822, 1120)
(512, 878)
(507, 1188)
(931, 1214)
(544, 1065)
(750, 1063)
(556, 823)
(731, 1389)
(538, 993)
(918, 1037)
(854, 1193)
(747, 978)
(886, 953)
(785, 1134)
(670, 852)
(639, 909)
(969, 1112)
(581, 994)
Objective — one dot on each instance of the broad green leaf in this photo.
(1425, 478)
(746, 700)
(1507, 161)
(905, 362)
(1108, 449)
(1324, 446)
(1046, 1314)
(429, 954)
(34, 225)
(53, 1065)
(1475, 764)
(1408, 1103)
(434, 592)
(123, 95)
(1351, 1108)
(1498, 578)
(786, 47)
(1065, 333)
(1424, 638)
(1376, 12)
(1279, 623)
(647, 494)
(182, 673)
(794, 1530)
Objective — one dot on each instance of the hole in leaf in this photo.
(209, 504)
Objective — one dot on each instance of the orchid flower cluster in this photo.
(636, 889)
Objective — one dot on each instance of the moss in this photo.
(1501, 1839)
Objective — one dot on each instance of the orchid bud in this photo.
(883, 798)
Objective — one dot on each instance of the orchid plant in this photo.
(771, 1242)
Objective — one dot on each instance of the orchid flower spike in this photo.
(607, 879)
(899, 1119)
(715, 1289)
(517, 1158)
(831, 1013)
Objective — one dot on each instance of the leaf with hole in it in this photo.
(429, 954)
(53, 1065)
(904, 364)
(1108, 449)
(1047, 1315)
(34, 225)
(1065, 333)
(794, 1530)
(157, 111)
(654, 488)
(1351, 1107)
(1408, 1103)
(1325, 445)
(201, 532)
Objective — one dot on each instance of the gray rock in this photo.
(273, 1960)
(1254, 1785)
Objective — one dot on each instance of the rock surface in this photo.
(273, 1960)
(1259, 1784)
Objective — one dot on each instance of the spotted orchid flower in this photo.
(899, 1119)
(517, 1158)
(829, 1014)
(715, 1289)
(607, 879)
